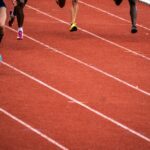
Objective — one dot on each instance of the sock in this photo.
(20, 29)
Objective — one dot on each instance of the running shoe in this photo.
(134, 29)
(61, 3)
(11, 18)
(117, 2)
(73, 27)
(0, 57)
(20, 35)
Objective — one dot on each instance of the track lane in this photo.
(52, 111)
(107, 28)
(113, 61)
(107, 7)
(14, 128)
(22, 59)
(37, 55)
(68, 78)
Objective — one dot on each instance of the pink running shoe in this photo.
(20, 35)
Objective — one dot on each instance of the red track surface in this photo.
(71, 95)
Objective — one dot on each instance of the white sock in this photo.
(20, 29)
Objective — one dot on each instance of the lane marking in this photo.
(111, 14)
(33, 129)
(79, 103)
(92, 34)
(86, 64)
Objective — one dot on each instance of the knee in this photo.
(20, 5)
(18, 9)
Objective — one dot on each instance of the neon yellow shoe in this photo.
(73, 27)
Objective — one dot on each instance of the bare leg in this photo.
(2, 24)
(74, 12)
(133, 14)
(2, 21)
(18, 11)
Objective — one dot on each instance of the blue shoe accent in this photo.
(0, 58)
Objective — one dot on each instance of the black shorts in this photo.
(2, 4)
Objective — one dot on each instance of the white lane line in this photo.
(33, 129)
(92, 34)
(79, 103)
(86, 64)
(111, 14)
(145, 1)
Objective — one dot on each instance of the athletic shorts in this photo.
(2, 4)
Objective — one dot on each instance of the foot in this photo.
(20, 35)
(11, 19)
(0, 57)
(134, 29)
(61, 3)
(118, 2)
(73, 27)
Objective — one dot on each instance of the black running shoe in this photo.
(61, 3)
(134, 29)
(11, 19)
(117, 2)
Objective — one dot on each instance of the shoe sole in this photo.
(73, 29)
(134, 30)
(19, 39)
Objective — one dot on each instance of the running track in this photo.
(87, 90)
